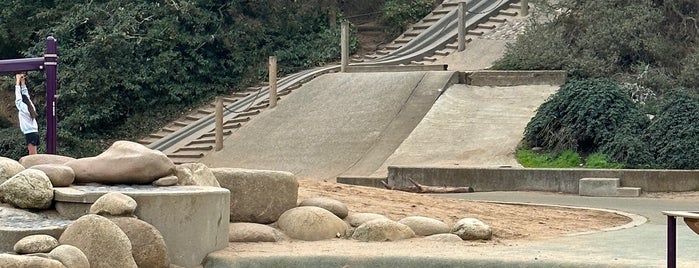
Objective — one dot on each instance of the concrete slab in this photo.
(329, 125)
(599, 186)
(471, 127)
(15, 224)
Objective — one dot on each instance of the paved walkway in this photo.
(641, 246)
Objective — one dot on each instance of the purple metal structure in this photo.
(49, 64)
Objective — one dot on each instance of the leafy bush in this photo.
(672, 139)
(12, 144)
(122, 61)
(611, 39)
(586, 116)
(398, 14)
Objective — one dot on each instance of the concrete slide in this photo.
(336, 124)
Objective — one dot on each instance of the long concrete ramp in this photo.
(471, 126)
(335, 124)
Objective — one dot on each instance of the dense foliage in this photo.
(617, 38)
(126, 67)
(647, 47)
(588, 116)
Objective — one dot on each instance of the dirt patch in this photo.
(507, 221)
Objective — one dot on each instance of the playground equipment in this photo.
(49, 64)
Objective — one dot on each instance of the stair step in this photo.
(421, 26)
(196, 148)
(402, 40)
(249, 113)
(486, 26)
(412, 34)
(179, 123)
(508, 13)
(202, 141)
(167, 129)
(392, 47)
(441, 53)
(186, 155)
(479, 33)
(429, 59)
(213, 134)
(192, 117)
(157, 136)
(498, 20)
(232, 126)
(238, 120)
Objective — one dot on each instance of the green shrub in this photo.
(398, 14)
(586, 116)
(672, 139)
(12, 143)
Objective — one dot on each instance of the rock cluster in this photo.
(319, 219)
(115, 238)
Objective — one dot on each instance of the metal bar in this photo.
(22, 65)
(462, 27)
(344, 46)
(671, 241)
(272, 81)
(51, 65)
(219, 124)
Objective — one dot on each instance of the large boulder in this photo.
(357, 219)
(424, 226)
(35, 244)
(102, 241)
(9, 168)
(472, 229)
(114, 204)
(311, 224)
(336, 207)
(70, 256)
(30, 188)
(444, 238)
(196, 174)
(147, 245)
(40, 159)
(59, 175)
(253, 232)
(258, 196)
(382, 230)
(124, 162)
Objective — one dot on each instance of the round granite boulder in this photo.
(357, 219)
(35, 244)
(424, 226)
(59, 175)
(253, 232)
(102, 241)
(382, 230)
(41, 159)
(9, 168)
(336, 207)
(30, 188)
(472, 229)
(311, 224)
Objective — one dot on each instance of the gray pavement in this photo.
(641, 246)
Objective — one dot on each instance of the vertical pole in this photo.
(525, 8)
(344, 39)
(462, 27)
(272, 81)
(219, 124)
(51, 65)
(671, 241)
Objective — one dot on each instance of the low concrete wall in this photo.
(552, 180)
(515, 78)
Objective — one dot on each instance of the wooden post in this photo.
(219, 124)
(525, 8)
(462, 27)
(272, 81)
(344, 39)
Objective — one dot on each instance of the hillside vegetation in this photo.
(128, 67)
(629, 61)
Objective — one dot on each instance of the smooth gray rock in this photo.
(196, 174)
(59, 175)
(424, 226)
(472, 229)
(124, 162)
(40, 159)
(102, 241)
(258, 196)
(253, 232)
(35, 244)
(8, 168)
(30, 189)
(335, 206)
(21, 261)
(382, 230)
(70, 256)
(114, 204)
(357, 219)
(311, 224)
(147, 245)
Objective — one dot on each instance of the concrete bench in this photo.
(691, 219)
(606, 187)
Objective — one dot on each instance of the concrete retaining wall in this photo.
(552, 180)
